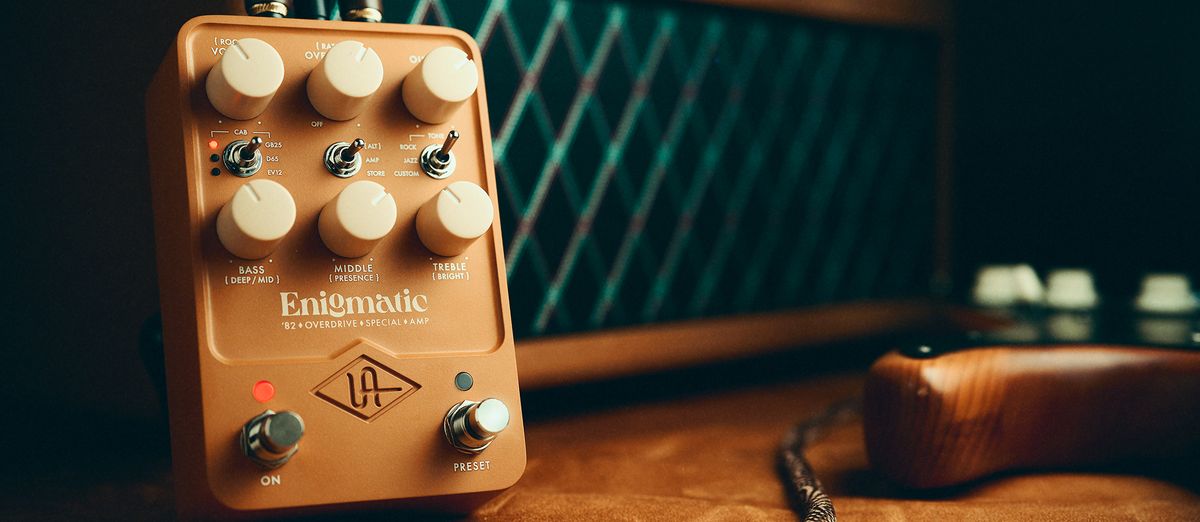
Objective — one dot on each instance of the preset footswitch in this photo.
(471, 426)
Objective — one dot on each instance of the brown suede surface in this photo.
(713, 458)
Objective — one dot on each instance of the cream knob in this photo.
(253, 223)
(245, 79)
(344, 80)
(454, 218)
(444, 80)
(354, 222)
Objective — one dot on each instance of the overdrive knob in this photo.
(253, 223)
(454, 218)
(245, 79)
(343, 82)
(471, 426)
(361, 215)
(440, 84)
(271, 439)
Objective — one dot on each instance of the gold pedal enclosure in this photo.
(367, 357)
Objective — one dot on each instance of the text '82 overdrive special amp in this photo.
(335, 310)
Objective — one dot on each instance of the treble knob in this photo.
(454, 218)
(443, 81)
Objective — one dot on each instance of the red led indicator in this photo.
(263, 391)
(212, 144)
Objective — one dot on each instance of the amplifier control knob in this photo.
(440, 84)
(361, 215)
(271, 439)
(471, 426)
(454, 218)
(245, 79)
(253, 223)
(344, 81)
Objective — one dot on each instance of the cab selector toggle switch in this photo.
(472, 426)
(271, 439)
(345, 159)
(242, 158)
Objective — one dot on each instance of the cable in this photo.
(807, 497)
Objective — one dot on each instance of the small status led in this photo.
(263, 391)
(212, 144)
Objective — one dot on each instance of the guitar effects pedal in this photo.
(335, 310)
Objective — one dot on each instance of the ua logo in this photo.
(365, 388)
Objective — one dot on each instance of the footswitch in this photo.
(335, 310)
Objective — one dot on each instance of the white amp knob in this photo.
(245, 79)
(253, 223)
(354, 222)
(454, 218)
(440, 84)
(344, 80)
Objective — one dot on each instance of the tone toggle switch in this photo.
(271, 439)
(253, 223)
(444, 80)
(245, 79)
(344, 81)
(354, 222)
(454, 218)
(471, 426)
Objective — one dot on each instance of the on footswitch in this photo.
(308, 201)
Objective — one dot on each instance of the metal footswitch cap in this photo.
(471, 426)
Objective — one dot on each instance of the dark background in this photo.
(1077, 131)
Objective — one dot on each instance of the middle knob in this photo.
(342, 84)
(361, 215)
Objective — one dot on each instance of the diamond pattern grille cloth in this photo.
(667, 161)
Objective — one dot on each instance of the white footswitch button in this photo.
(253, 223)
(361, 215)
(471, 426)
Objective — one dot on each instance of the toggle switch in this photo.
(245, 79)
(345, 159)
(454, 218)
(243, 158)
(472, 426)
(354, 222)
(271, 439)
(344, 81)
(437, 160)
(444, 80)
(253, 223)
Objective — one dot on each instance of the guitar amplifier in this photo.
(682, 182)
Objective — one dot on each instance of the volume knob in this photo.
(361, 215)
(344, 81)
(253, 223)
(444, 80)
(245, 79)
(454, 218)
